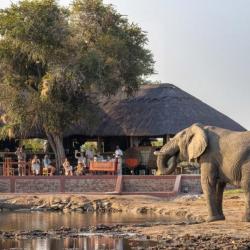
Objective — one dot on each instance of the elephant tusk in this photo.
(158, 153)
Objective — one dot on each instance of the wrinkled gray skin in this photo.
(224, 157)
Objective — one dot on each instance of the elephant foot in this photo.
(246, 218)
(215, 218)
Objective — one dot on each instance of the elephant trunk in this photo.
(166, 165)
(166, 158)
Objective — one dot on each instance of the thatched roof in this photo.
(156, 109)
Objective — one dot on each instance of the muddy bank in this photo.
(166, 241)
(101, 204)
(186, 229)
(66, 232)
(209, 242)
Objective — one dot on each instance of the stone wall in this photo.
(37, 185)
(57, 184)
(191, 184)
(155, 184)
(4, 186)
(90, 185)
(101, 184)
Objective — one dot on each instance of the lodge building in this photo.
(155, 111)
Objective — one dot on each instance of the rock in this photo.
(56, 200)
(103, 227)
(75, 207)
(143, 210)
(66, 210)
(68, 205)
(79, 200)
(43, 205)
(98, 204)
(65, 200)
(88, 207)
(106, 205)
(57, 206)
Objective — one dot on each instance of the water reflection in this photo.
(86, 243)
(52, 220)
(15, 221)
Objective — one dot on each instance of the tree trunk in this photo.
(56, 143)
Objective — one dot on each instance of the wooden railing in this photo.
(10, 167)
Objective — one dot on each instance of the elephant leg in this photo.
(245, 184)
(219, 197)
(209, 185)
(246, 216)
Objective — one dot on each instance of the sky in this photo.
(201, 46)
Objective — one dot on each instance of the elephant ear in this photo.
(197, 142)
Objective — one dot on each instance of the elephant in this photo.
(223, 156)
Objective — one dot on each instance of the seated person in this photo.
(35, 165)
(47, 164)
(80, 169)
(68, 170)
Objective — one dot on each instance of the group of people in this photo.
(83, 161)
(46, 164)
(35, 163)
(48, 168)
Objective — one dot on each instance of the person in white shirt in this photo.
(118, 156)
(80, 157)
(90, 155)
(68, 169)
(35, 165)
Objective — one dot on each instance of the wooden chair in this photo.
(45, 172)
(8, 170)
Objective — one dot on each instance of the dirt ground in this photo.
(193, 209)
(187, 228)
(194, 232)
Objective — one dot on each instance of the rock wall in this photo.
(5, 186)
(191, 184)
(37, 186)
(148, 185)
(102, 184)
(89, 185)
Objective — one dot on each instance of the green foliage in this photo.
(34, 145)
(89, 145)
(157, 143)
(113, 51)
(233, 191)
(52, 59)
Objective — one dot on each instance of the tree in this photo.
(53, 58)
